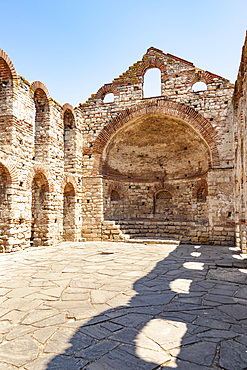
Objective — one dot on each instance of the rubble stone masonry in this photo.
(166, 166)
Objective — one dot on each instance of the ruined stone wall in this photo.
(33, 177)
(111, 137)
(239, 117)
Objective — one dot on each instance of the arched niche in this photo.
(41, 125)
(40, 209)
(69, 212)
(149, 152)
(5, 206)
(115, 196)
(69, 140)
(163, 206)
(201, 194)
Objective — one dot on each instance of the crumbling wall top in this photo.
(238, 91)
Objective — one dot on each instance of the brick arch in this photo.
(106, 89)
(119, 187)
(160, 187)
(13, 174)
(5, 57)
(68, 179)
(161, 106)
(44, 171)
(204, 76)
(39, 85)
(152, 61)
(67, 106)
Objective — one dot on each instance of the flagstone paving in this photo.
(97, 306)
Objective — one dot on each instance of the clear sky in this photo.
(76, 46)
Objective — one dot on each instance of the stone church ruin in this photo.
(172, 165)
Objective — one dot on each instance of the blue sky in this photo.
(76, 46)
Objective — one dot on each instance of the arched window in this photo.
(115, 196)
(108, 98)
(152, 83)
(199, 86)
(69, 140)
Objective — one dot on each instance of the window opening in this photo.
(152, 83)
(199, 86)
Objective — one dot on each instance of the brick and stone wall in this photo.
(239, 117)
(181, 140)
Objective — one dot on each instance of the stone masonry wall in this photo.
(239, 117)
(204, 113)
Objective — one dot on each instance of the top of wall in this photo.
(238, 91)
(171, 67)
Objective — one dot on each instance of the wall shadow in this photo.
(190, 306)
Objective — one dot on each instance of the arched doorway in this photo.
(40, 210)
(69, 212)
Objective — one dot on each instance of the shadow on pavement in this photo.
(189, 312)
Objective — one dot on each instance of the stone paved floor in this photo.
(123, 306)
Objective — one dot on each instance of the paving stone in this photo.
(242, 293)
(4, 366)
(132, 320)
(239, 312)
(68, 341)
(4, 291)
(95, 331)
(5, 326)
(43, 334)
(242, 339)
(19, 331)
(120, 359)
(65, 363)
(211, 323)
(202, 353)
(18, 352)
(13, 316)
(111, 326)
(231, 275)
(75, 297)
(233, 355)
(125, 336)
(38, 315)
(96, 351)
(101, 296)
(54, 320)
(214, 335)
